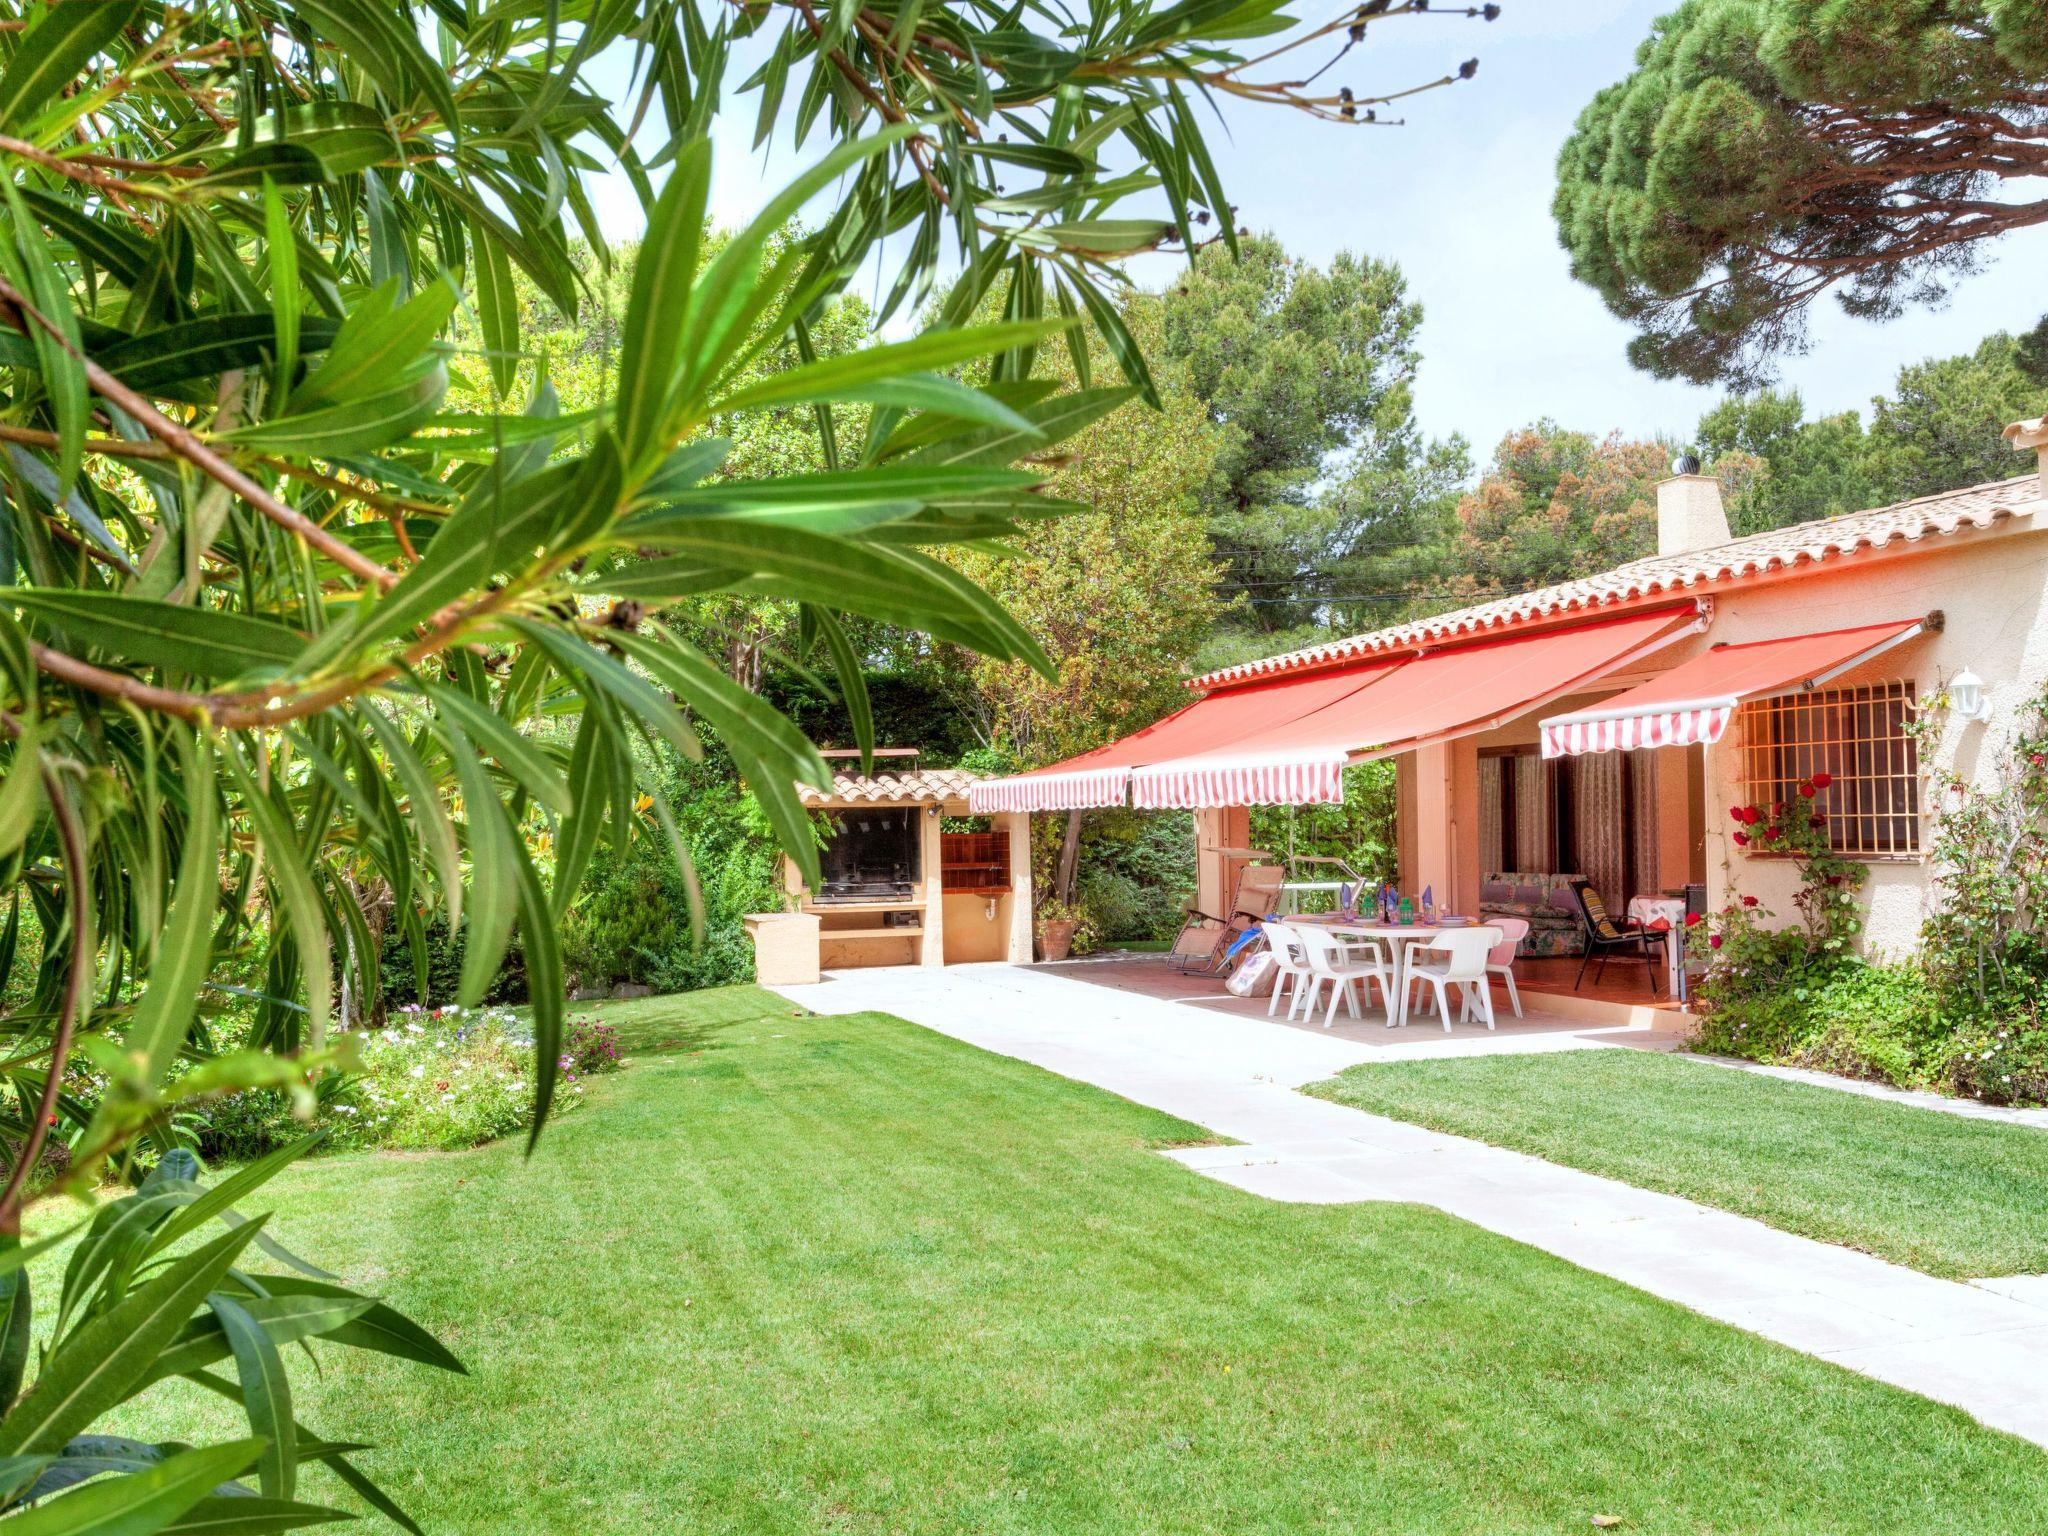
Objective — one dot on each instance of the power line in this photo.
(1379, 597)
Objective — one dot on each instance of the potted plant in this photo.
(1055, 925)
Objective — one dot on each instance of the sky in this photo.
(1460, 199)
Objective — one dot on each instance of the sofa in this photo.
(1546, 901)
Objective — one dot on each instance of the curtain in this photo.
(1597, 814)
(1490, 847)
(1532, 815)
(1649, 876)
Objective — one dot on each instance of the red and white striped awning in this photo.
(1693, 702)
(1286, 742)
(1196, 783)
(1216, 722)
(1699, 724)
(1076, 790)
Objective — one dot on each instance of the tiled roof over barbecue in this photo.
(1760, 554)
(910, 786)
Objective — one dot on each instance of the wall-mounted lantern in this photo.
(1966, 697)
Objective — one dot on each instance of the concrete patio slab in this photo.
(2032, 1289)
(1982, 1347)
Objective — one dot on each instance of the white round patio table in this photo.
(1402, 938)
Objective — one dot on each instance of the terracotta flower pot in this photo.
(1055, 939)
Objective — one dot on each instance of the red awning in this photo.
(1286, 742)
(1437, 697)
(1695, 700)
(1102, 777)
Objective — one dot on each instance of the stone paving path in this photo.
(1983, 1347)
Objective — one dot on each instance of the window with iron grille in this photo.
(1862, 738)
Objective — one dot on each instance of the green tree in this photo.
(1554, 504)
(279, 618)
(1121, 593)
(1306, 372)
(1941, 427)
(1393, 513)
(1764, 152)
(1818, 468)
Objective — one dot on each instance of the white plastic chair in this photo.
(1464, 966)
(1500, 961)
(1333, 961)
(1290, 964)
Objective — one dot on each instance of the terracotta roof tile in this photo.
(1759, 554)
(914, 786)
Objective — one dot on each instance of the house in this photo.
(1604, 726)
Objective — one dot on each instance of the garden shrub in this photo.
(2002, 1061)
(399, 979)
(590, 1046)
(631, 915)
(1965, 1015)
(1120, 910)
(631, 920)
(441, 1081)
(1135, 870)
(431, 1080)
(1870, 1021)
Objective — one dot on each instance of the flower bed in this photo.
(432, 1080)
(1968, 1014)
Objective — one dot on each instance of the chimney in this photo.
(1689, 514)
(2032, 434)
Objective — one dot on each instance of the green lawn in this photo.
(1938, 1192)
(807, 1275)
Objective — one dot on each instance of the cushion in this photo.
(1538, 915)
(1493, 890)
(1528, 895)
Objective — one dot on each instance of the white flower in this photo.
(419, 1071)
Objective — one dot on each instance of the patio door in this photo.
(1593, 816)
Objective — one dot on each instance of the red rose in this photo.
(1754, 816)
(1742, 839)
(1817, 819)
(1809, 790)
(1821, 780)
(1714, 942)
(1749, 901)
(1778, 808)
(1834, 879)
(1739, 812)
(1694, 919)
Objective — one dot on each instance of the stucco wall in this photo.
(1992, 590)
